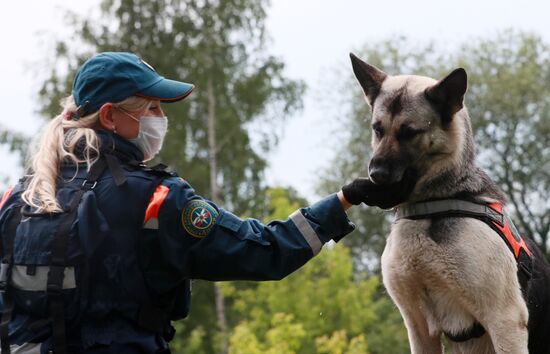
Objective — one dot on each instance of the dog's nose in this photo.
(380, 175)
(380, 170)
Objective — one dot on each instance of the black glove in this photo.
(363, 190)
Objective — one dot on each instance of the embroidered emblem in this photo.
(198, 218)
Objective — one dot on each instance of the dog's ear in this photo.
(369, 77)
(447, 95)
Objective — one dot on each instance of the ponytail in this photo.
(58, 143)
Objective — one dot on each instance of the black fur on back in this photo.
(538, 302)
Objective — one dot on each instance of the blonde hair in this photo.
(57, 143)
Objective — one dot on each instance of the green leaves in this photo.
(337, 313)
(16, 142)
(509, 103)
(283, 337)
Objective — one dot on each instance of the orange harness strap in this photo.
(492, 214)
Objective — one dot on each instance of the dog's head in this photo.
(412, 121)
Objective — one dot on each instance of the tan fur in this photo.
(444, 288)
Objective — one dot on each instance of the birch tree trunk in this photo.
(214, 187)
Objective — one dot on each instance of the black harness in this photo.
(54, 287)
(493, 215)
(150, 316)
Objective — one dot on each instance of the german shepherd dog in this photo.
(450, 276)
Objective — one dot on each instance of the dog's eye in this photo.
(407, 133)
(378, 131)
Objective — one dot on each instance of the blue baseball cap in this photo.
(115, 76)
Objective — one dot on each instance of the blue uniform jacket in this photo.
(150, 235)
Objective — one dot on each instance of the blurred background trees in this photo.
(509, 102)
(336, 303)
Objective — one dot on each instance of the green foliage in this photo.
(282, 202)
(284, 337)
(509, 102)
(198, 333)
(194, 343)
(16, 142)
(337, 313)
(338, 343)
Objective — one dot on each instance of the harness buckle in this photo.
(53, 289)
(86, 185)
(55, 280)
(4, 267)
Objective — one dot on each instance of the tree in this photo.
(218, 46)
(509, 102)
(16, 143)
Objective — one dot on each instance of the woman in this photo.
(98, 249)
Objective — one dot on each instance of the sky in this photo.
(312, 37)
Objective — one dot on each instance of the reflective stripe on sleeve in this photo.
(38, 281)
(26, 348)
(307, 231)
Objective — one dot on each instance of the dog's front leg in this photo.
(420, 340)
(405, 296)
(508, 331)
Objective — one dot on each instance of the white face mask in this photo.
(152, 131)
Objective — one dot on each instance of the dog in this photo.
(448, 275)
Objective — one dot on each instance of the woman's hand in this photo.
(345, 204)
(363, 190)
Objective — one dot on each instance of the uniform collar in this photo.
(114, 144)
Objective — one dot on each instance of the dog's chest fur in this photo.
(429, 267)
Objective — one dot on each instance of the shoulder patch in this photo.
(198, 218)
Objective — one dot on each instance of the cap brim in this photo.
(167, 91)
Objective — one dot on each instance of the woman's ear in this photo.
(106, 117)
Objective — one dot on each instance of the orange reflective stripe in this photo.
(516, 244)
(5, 196)
(156, 201)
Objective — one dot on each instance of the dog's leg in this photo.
(407, 298)
(420, 340)
(508, 330)
(407, 292)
